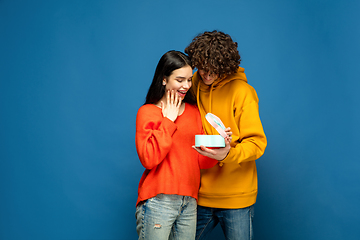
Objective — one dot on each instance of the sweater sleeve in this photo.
(153, 137)
(252, 141)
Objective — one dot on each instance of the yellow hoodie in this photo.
(233, 182)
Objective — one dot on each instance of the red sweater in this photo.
(164, 149)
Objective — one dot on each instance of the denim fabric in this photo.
(235, 223)
(166, 217)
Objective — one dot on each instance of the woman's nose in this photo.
(186, 85)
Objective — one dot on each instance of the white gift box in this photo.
(212, 140)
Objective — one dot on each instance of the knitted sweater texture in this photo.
(165, 150)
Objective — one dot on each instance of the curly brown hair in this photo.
(214, 52)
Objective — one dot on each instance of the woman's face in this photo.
(180, 81)
(208, 78)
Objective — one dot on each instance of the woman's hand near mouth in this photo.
(172, 107)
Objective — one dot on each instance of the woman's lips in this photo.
(182, 93)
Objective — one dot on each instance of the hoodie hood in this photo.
(239, 75)
(200, 86)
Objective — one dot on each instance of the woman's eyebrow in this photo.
(182, 77)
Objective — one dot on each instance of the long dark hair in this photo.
(168, 63)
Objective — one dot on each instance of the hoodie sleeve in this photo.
(251, 142)
(153, 138)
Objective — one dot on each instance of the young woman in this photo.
(166, 126)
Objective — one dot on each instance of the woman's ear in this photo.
(164, 82)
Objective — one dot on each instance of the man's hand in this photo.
(219, 153)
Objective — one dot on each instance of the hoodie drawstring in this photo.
(202, 111)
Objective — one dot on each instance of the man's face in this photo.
(207, 77)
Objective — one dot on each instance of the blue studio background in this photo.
(74, 73)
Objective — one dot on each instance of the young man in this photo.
(228, 191)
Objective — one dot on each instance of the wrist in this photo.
(171, 119)
(225, 156)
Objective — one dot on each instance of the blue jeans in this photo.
(235, 223)
(166, 217)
